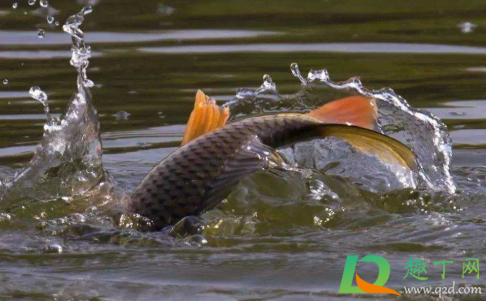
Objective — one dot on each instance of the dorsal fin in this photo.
(355, 110)
(205, 117)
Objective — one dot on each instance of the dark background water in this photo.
(150, 57)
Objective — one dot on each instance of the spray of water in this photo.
(67, 162)
(423, 132)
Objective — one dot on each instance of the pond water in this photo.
(277, 236)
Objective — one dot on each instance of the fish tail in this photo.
(355, 110)
(361, 112)
(205, 117)
(387, 149)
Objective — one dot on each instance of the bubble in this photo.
(44, 3)
(15, 5)
(50, 19)
(5, 81)
(32, 2)
(41, 33)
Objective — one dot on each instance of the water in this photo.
(279, 236)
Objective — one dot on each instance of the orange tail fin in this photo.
(356, 110)
(206, 117)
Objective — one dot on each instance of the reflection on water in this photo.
(322, 47)
(464, 109)
(278, 236)
(27, 37)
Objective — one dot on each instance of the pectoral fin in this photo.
(251, 157)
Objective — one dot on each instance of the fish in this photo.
(215, 155)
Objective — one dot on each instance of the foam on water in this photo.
(67, 162)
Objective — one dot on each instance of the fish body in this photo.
(200, 174)
(196, 177)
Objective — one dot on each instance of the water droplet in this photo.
(268, 83)
(321, 75)
(122, 115)
(467, 27)
(44, 3)
(267, 78)
(15, 5)
(41, 33)
(296, 72)
(50, 19)
(41, 96)
(165, 10)
(32, 2)
(55, 248)
(87, 10)
(5, 81)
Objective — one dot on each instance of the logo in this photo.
(364, 287)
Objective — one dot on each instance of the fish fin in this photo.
(205, 117)
(252, 157)
(355, 110)
(387, 149)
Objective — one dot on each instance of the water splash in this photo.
(80, 51)
(423, 132)
(248, 101)
(413, 127)
(67, 162)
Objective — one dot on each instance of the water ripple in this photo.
(322, 47)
